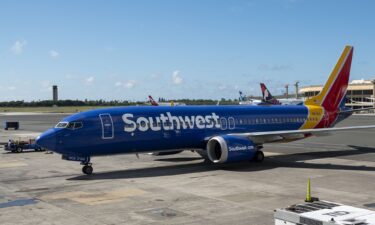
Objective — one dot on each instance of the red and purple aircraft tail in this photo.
(152, 101)
(267, 96)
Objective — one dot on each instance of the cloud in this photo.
(222, 87)
(155, 76)
(228, 88)
(266, 67)
(46, 86)
(69, 76)
(17, 47)
(8, 88)
(176, 77)
(127, 84)
(54, 54)
(89, 80)
(45, 83)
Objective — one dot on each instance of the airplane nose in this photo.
(47, 140)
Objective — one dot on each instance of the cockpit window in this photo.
(70, 125)
(62, 125)
(77, 125)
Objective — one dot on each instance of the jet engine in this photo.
(228, 148)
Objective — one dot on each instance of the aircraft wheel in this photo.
(87, 169)
(19, 149)
(259, 156)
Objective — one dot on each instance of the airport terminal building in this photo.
(360, 93)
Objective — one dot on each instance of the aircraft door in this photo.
(231, 123)
(107, 126)
(223, 123)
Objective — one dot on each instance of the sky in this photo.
(127, 50)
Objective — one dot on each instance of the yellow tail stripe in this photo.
(314, 117)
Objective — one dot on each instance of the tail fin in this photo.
(333, 92)
(267, 96)
(152, 101)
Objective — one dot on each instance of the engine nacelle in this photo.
(228, 148)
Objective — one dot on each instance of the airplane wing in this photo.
(292, 135)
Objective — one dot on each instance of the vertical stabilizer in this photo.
(267, 96)
(325, 107)
(334, 90)
(152, 101)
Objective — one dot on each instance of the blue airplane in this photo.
(223, 133)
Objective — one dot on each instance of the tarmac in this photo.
(39, 188)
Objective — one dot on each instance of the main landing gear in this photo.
(259, 156)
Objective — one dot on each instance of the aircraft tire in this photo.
(87, 169)
(19, 149)
(259, 156)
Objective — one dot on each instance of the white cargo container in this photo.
(323, 213)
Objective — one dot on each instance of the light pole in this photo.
(373, 93)
(287, 90)
(296, 84)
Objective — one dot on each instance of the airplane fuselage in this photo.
(146, 129)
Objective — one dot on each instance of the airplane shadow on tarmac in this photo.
(295, 160)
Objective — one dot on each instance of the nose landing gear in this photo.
(85, 161)
(87, 169)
